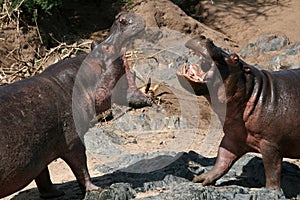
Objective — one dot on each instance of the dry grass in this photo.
(9, 14)
(21, 67)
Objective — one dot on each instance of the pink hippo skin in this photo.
(262, 109)
(38, 114)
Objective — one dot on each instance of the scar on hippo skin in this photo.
(38, 115)
(262, 110)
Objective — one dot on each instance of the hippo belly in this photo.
(30, 135)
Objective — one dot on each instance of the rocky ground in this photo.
(152, 153)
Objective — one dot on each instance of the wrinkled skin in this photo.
(45, 117)
(262, 109)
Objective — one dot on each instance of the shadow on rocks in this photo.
(141, 173)
(174, 180)
(240, 181)
(253, 176)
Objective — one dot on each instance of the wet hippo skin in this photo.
(44, 117)
(259, 109)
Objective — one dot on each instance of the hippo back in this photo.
(32, 112)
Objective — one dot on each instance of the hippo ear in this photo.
(247, 69)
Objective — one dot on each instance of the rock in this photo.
(118, 191)
(264, 44)
(175, 18)
(170, 174)
(272, 52)
(289, 59)
(272, 42)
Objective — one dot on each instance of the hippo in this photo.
(259, 110)
(46, 116)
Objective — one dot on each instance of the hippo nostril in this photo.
(234, 57)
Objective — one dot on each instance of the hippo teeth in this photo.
(191, 71)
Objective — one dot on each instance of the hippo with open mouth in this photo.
(259, 110)
(45, 117)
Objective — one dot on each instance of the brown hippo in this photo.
(45, 117)
(259, 110)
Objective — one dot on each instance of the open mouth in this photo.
(193, 72)
(192, 78)
(195, 77)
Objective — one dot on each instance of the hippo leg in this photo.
(76, 159)
(45, 186)
(228, 153)
(135, 97)
(272, 160)
(102, 99)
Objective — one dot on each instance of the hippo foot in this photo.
(278, 192)
(92, 187)
(52, 193)
(205, 178)
(137, 99)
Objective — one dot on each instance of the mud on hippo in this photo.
(259, 110)
(45, 117)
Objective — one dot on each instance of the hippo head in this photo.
(127, 26)
(215, 67)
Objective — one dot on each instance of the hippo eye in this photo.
(123, 21)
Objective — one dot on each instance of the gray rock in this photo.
(264, 44)
(173, 181)
(273, 52)
(288, 59)
(118, 191)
